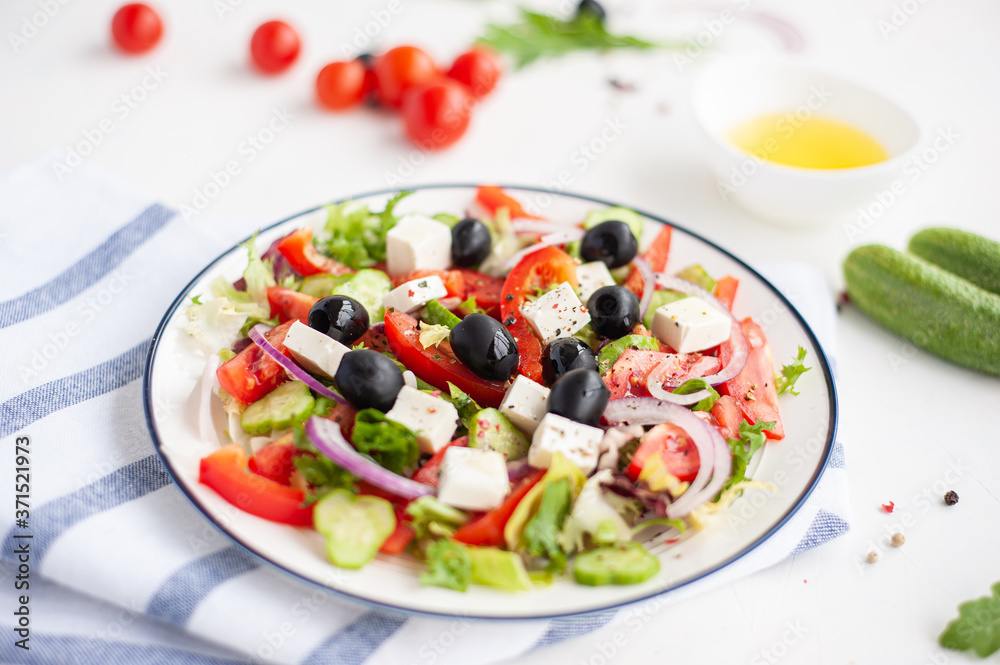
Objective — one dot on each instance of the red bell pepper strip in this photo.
(656, 256)
(492, 198)
(487, 530)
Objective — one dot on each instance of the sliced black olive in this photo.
(470, 243)
(614, 311)
(565, 354)
(368, 379)
(580, 395)
(485, 347)
(342, 318)
(611, 242)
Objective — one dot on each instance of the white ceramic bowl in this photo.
(732, 91)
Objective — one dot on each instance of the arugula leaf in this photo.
(541, 534)
(693, 386)
(357, 235)
(539, 35)
(470, 306)
(389, 443)
(448, 565)
(431, 518)
(743, 449)
(977, 626)
(790, 373)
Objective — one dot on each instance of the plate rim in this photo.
(833, 404)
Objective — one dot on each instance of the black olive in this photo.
(614, 311)
(580, 395)
(485, 347)
(368, 379)
(342, 318)
(470, 243)
(593, 8)
(611, 242)
(564, 354)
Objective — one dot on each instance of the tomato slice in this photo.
(487, 529)
(430, 472)
(300, 252)
(492, 198)
(433, 365)
(289, 305)
(729, 416)
(226, 471)
(252, 374)
(343, 415)
(275, 460)
(486, 289)
(725, 290)
(753, 388)
(375, 340)
(453, 280)
(398, 540)
(675, 448)
(656, 256)
(627, 377)
(549, 265)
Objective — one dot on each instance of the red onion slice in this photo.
(326, 436)
(257, 335)
(521, 226)
(648, 283)
(517, 469)
(715, 461)
(738, 340)
(654, 384)
(560, 238)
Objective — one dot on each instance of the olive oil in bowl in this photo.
(815, 142)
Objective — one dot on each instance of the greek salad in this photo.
(504, 397)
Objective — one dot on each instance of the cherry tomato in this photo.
(136, 28)
(478, 70)
(274, 47)
(437, 115)
(402, 68)
(341, 85)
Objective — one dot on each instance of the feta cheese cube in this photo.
(691, 324)
(558, 313)
(432, 419)
(524, 403)
(314, 351)
(472, 478)
(417, 242)
(593, 276)
(415, 294)
(579, 443)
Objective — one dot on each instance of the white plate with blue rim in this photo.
(793, 465)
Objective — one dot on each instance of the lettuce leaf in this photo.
(355, 235)
(448, 565)
(388, 443)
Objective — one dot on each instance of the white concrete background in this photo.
(905, 425)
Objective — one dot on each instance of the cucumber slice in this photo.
(659, 299)
(436, 313)
(354, 526)
(368, 287)
(630, 217)
(491, 430)
(622, 563)
(323, 285)
(698, 275)
(610, 354)
(289, 403)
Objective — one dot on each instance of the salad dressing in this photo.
(816, 142)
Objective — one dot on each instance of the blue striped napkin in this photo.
(123, 569)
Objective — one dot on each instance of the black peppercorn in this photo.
(951, 498)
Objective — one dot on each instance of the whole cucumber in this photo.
(927, 305)
(968, 255)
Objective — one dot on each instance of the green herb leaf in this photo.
(387, 442)
(790, 373)
(466, 406)
(448, 565)
(541, 534)
(977, 626)
(538, 35)
(196, 300)
(469, 306)
(743, 449)
(610, 353)
(693, 386)
(321, 472)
